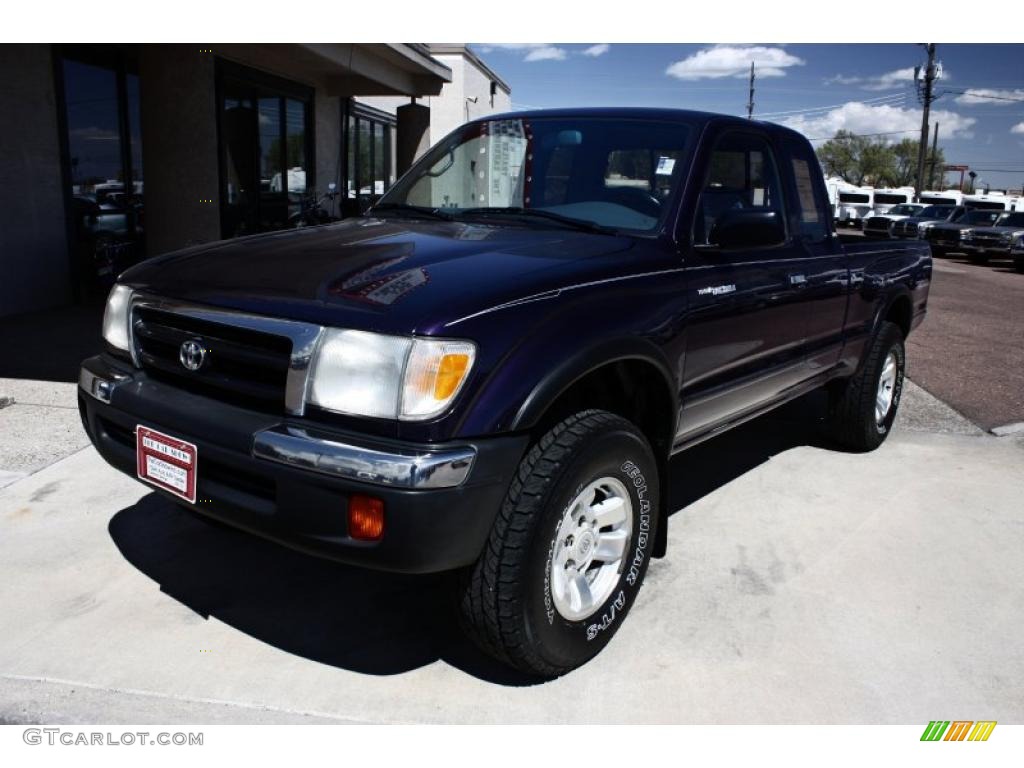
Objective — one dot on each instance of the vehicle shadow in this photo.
(366, 621)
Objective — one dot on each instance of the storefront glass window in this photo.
(104, 163)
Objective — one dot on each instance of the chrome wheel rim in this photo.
(590, 547)
(886, 389)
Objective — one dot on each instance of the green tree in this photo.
(860, 160)
(840, 156)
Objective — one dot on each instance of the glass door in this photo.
(99, 88)
(266, 150)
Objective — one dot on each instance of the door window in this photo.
(742, 176)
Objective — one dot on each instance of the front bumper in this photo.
(987, 248)
(286, 480)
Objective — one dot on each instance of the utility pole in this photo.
(750, 101)
(935, 144)
(929, 79)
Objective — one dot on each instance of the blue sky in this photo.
(817, 89)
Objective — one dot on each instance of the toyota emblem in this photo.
(192, 354)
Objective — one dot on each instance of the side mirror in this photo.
(745, 228)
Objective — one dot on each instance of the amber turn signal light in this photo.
(365, 518)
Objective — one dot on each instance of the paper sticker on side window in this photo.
(804, 187)
(665, 166)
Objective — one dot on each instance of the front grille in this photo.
(877, 222)
(242, 366)
(988, 238)
(944, 235)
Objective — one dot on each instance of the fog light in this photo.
(365, 518)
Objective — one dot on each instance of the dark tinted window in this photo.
(742, 175)
(884, 198)
(854, 197)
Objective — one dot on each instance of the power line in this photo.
(865, 135)
(975, 94)
(879, 100)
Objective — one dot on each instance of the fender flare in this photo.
(588, 360)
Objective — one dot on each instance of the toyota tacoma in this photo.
(489, 372)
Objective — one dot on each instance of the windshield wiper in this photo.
(586, 226)
(419, 210)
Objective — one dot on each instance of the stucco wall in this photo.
(34, 267)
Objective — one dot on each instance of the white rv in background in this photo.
(833, 184)
(937, 197)
(885, 199)
(993, 201)
(855, 203)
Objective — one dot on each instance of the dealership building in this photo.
(113, 153)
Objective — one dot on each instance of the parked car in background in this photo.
(996, 241)
(1017, 254)
(880, 225)
(915, 226)
(948, 235)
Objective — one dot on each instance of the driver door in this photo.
(746, 329)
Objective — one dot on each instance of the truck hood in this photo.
(1005, 230)
(387, 275)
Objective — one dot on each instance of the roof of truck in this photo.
(638, 113)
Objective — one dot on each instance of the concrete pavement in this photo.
(802, 585)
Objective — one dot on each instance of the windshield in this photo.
(614, 173)
(980, 217)
(1011, 220)
(904, 210)
(936, 211)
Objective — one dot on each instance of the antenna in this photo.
(750, 101)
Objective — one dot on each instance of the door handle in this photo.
(798, 280)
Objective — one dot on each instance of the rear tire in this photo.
(977, 258)
(864, 410)
(569, 548)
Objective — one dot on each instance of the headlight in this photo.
(388, 377)
(115, 317)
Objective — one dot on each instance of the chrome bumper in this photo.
(308, 449)
(100, 385)
(319, 451)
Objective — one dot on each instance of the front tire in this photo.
(864, 410)
(569, 549)
(1018, 264)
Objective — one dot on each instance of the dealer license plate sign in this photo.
(166, 462)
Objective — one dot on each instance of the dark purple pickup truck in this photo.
(489, 372)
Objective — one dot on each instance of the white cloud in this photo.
(1004, 96)
(733, 61)
(889, 81)
(1018, 128)
(596, 50)
(546, 53)
(533, 51)
(861, 118)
